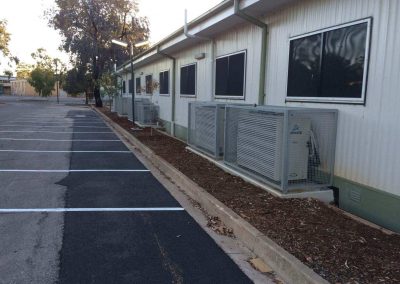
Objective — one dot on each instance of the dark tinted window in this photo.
(229, 75)
(149, 84)
(164, 82)
(343, 62)
(138, 86)
(123, 87)
(130, 86)
(188, 80)
(329, 64)
(304, 66)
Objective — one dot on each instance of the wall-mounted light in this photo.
(200, 56)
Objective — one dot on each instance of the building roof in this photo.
(213, 22)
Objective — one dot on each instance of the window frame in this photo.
(195, 81)
(336, 100)
(123, 86)
(140, 86)
(130, 86)
(169, 83)
(243, 97)
(145, 84)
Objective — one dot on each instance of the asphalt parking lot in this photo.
(76, 206)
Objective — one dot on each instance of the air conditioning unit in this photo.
(124, 106)
(137, 101)
(288, 148)
(147, 113)
(206, 127)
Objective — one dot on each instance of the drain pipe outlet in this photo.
(263, 59)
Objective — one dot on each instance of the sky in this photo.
(29, 30)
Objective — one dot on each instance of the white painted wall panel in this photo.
(368, 136)
(164, 101)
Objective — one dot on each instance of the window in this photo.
(330, 65)
(188, 80)
(230, 75)
(130, 86)
(164, 82)
(123, 87)
(138, 86)
(149, 84)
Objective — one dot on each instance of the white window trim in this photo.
(244, 76)
(169, 83)
(361, 100)
(195, 81)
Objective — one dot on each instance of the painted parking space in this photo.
(109, 219)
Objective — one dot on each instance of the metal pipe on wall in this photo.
(263, 59)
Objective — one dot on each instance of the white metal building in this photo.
(318, 53)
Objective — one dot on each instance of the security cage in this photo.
(124, 106)
(206, 127)
(288, 148)
(146, 113)
(121, 105)
(137, 101)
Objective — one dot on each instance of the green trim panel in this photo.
(181, 132)
(166, 125)
(369, 203)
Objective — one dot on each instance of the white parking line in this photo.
(62, 140)
(61, 151)
(69, 171)
(45, 131)
(55, 210)
(36, 126)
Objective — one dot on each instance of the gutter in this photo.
(173, 89)
(263, 60)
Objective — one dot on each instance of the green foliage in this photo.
(24, 70)
(4, 38)
(109, 84)
(42, 80)
(47, 71)
(88, 26)
(9, 73)
(76, 81)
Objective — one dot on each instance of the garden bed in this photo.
(335, 246)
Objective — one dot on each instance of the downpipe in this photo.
(263, 59)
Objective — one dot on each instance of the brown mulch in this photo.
(335, 246)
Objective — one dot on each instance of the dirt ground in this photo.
(334, 245)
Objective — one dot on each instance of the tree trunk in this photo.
(96, 87)
(97, 97)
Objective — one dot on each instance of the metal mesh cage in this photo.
(124, 106)
(206, 127)
(288, 148)
(146, 113)
(129, 106)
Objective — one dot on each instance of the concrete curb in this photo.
(286, 265)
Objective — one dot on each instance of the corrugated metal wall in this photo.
(368, 142)
(164, 101)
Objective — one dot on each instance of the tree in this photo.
(43, 81)
(9, 73)
(88, 26)
(46, 72)
(24, 70)
(4, 38)
(110, 86)
(76, 81)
